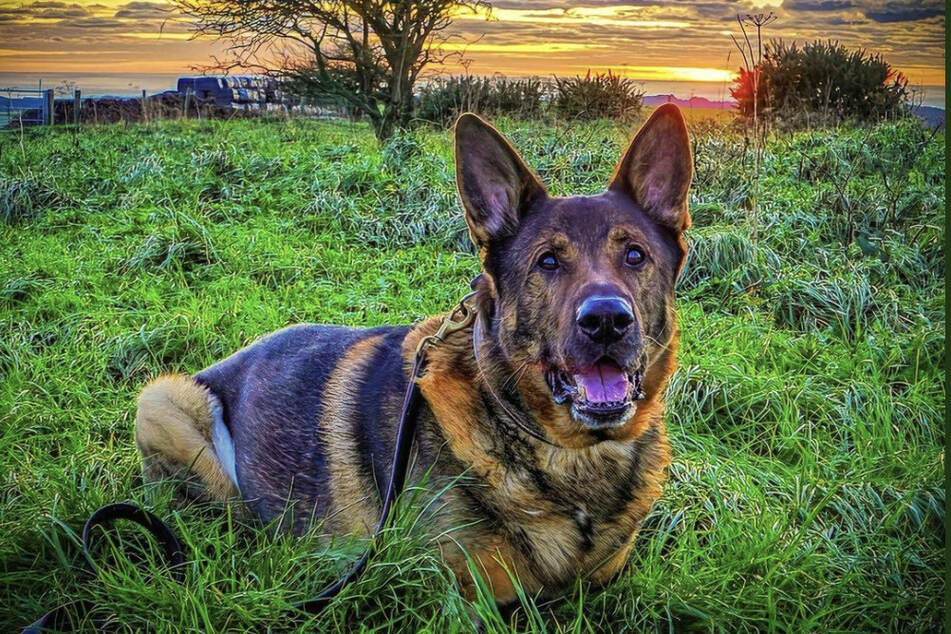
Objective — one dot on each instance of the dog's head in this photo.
(577, 293)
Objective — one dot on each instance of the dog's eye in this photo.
(548, 261)
(634, 256)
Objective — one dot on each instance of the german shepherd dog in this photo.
(547, 411)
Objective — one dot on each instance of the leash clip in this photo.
(461, 317)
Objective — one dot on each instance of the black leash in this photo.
(61, 617)
(404, 441)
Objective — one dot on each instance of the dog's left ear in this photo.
(495, 185)
(656, 169)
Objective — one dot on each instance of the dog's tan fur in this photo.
(354, 508)
(173, 434)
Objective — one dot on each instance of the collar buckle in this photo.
(460, 317)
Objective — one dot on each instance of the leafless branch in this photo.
(370, 52)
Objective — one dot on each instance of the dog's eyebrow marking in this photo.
(623, 233)
(557, 242)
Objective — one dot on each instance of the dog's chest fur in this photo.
(556, 512)
(574, 510)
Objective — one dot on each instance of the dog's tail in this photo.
(181, 433)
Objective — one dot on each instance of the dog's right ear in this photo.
(657, 168)
(495, 185)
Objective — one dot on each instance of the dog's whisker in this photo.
(666, 347)
(515, 376)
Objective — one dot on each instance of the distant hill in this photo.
(693, 102)
(932, 115)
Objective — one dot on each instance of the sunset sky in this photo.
(655, 39)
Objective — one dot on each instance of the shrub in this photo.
(24, 199)
(726, 261)
(844, 302)
(599, 96)
(406, 198)
(443, 100)
(821, 82)
(184, 246)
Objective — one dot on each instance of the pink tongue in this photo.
(603, 383)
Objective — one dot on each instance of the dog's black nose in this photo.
(604, 319)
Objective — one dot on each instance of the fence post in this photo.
(50, 115)
(145, 109)
(77, 104)
(188, 99)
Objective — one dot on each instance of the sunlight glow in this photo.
(167, 35)
(621, 15)
(674, 73)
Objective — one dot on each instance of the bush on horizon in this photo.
(597, 96)
(821, 83)
(594, 96)
(445, 98)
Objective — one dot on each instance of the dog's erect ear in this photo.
(656, 169)
(495, 185)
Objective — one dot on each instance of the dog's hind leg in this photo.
(178, 427)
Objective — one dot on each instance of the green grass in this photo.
(806, 491)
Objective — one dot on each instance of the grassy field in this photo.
(807, 416)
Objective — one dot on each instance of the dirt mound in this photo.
(168, 105)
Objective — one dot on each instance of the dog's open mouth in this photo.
(602, 395)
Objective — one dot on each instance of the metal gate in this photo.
(25, 107)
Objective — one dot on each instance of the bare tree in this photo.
(367, 53)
